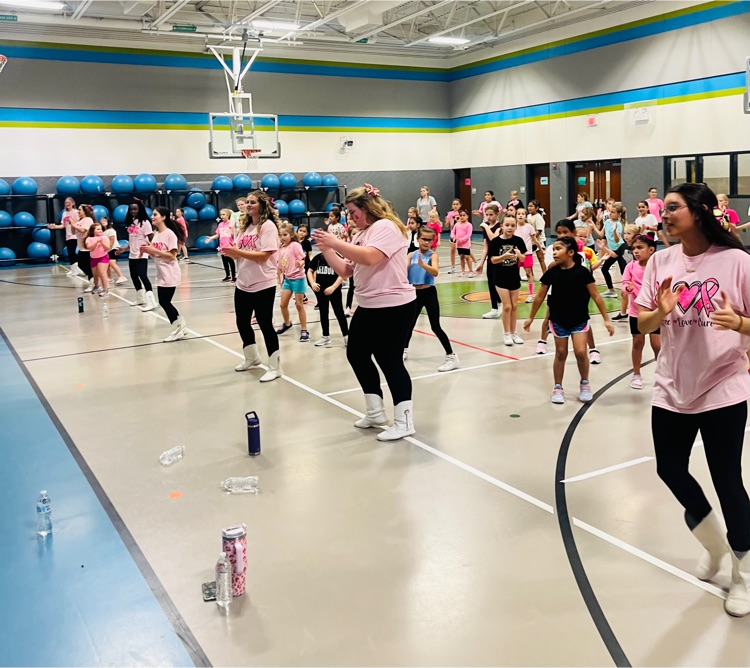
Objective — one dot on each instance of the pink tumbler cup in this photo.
(234, 543)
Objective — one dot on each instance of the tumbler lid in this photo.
(234, 531)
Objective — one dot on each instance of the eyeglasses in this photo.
(672, 208)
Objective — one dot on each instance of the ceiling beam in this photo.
(136, 4)
(324, 19)
(468, 23)
(81, 8)
(176, 7)
(404, 19)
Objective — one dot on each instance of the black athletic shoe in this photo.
(620, 316)
(226, 279)
(284, 327)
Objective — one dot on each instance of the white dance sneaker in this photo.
(451, 362)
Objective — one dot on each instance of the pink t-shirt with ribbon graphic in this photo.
(700, 368)
(254, 276)
(168, 273)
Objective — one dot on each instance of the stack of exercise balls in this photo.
(24, 185)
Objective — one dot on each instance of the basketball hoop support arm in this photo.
(234, 75)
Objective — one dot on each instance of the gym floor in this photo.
(507, 531)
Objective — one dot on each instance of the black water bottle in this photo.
(80, 304)
(253, 433)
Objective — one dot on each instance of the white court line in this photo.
(608, 469)
(472, 368)
(199, 299)
(712, 589)
(654, 561)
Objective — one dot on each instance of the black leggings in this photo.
(610, 261)
(72, 246)
(427, 298)
(84, 263)
(165, 296)
(350, 293)
(139, 272)
(380, 333)
(229, 268)
(490, 271)
(260, 303)
(335, 300)
(723, 432)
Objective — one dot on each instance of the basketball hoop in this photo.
(251, 156)
(3, 61)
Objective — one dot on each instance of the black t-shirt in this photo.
(569, 301)
(325, 275)
(500, 246)
(484, 227)
(307, 247)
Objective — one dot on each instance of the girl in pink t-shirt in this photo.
(379, 327)
(179, 216)
(291, 271)
(225, 235)
(643, 248)
(256, 251)
(68, 215)
(163, 249)
(462, 233)
(527, 232)
(451, 218)
(436, 226)
(698, 292)
(98, 246)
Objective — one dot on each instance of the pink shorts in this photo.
(528, 261)
(104, 259)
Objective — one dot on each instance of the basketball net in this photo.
(3, 61)
(251, 157)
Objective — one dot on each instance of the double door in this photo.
(598, 180)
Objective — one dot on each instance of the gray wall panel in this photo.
(501, 180)
(638, 175)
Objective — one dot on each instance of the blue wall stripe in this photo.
(664, 93)
(319, 68)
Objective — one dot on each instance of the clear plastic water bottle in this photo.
(169, 457)
(223, 581)
(237, 485)
(105, 311)
(43, 514)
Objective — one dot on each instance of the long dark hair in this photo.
(171, 223)
(572, 245)
(702, 203)
(142, 215)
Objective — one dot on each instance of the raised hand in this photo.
(726, 318)
(666, 299)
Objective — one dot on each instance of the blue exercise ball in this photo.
(122, 243)
(297, 208)
(4, 187)
(120, 213)
(24, 185)
(92, 185)
(122, 184)
(24, 219)
(312, 180)
(149, 212)
(287, 181)
(270, 182)
(242, 182)
(330, 182)
(175, 182)
(282, 207)
(329, 207)
(64, 253)
(208, 212)
(144, 183)
(189, 213)
(42, 235)
(206, 243)
(68, 185)
(7, 257)
(222, 183)
(38, 251)
(6, 220)
(196, 199)
(100, 211)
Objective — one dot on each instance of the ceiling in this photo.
(376, 27)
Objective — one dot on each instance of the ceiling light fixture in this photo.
(275, 25)
(448, 40)
(35, 4)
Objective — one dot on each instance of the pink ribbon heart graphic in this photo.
(698, 294)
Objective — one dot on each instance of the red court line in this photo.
(468, 345)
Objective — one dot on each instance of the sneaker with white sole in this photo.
(452, 270)
(558, 395)
(177, 333)
(636, 382)
(90, 288)
(585, 394)
(492, 314)
(609, 294)
(323, 341)
(517, 339)
(451, 362)
(471, 274)
(508, 340)
(529, 299)
(121, 280)
(594, 356)
(541, 347)
(104, 293)
(525, 279)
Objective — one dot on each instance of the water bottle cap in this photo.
(223, 555)
(43, 492)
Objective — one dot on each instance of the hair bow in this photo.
(722, 217)
(372, 191)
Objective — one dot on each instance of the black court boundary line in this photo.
(566, 531)
(167, 605)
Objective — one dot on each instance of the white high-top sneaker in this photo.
(738, 598)
(178, 331)
(252, 358)
(274, 368)
(403, 423)
(712, 535)
(150, 302)
(375, 415)
(140, 298)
